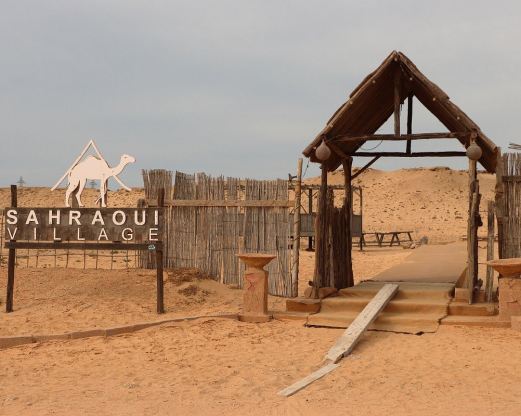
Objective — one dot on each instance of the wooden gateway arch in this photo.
(380, 96)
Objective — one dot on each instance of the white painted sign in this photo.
(84, 224)
(92, 168)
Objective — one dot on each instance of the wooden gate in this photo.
(210, 220)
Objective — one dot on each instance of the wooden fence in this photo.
(508, 204)
(210, 220)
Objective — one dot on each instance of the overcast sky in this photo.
(233, 88)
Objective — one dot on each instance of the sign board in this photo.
(128, 225)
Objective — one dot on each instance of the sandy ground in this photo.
(219, 366)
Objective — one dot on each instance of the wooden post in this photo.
(499, 202)
(321, 236)
(348, 202)
(409, 122)
(11, 260)
(361, 242)
(159, 259)
(397, 102)
(310, 210)
(490, 253)
(296, 232)
(472, 229)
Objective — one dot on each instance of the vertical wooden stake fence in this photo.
(11, 260)
(296, 231)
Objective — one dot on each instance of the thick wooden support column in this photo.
(321, 234)
(159, 259)
(397, 102)
(472, 229)
(348, 203)
(296, 232)
(490, 253)
(11, 260)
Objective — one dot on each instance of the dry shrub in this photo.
(190, 290)
(186, 274)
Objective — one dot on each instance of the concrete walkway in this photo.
(430, 264)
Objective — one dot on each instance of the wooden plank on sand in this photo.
(299, 385)
(347, 342)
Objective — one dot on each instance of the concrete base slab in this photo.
(291, 316)
(303, 305)
(461, 294)
(255, 318)
(476, 309)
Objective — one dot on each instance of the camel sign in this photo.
(92, 168)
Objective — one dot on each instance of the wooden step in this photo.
(476, 309)
(485, 321)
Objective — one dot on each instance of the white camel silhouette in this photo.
(94, 168)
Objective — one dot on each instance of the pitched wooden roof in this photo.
(372, 103)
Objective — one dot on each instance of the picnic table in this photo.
(395, 237)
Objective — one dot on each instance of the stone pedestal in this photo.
(509, 298)
(255, 303)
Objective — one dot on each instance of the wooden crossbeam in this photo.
(392, 137)
(220, 203)
(420, 154)
(365, 167)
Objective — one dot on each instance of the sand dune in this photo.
(220, 366)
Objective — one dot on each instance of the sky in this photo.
(233, 87)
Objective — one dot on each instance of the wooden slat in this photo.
(222, 203)
(347, 342)
(306, 381)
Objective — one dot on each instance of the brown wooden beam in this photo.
(337, 150)
(391, 137)
(348, 203)
(423, 154)
(365, 167)
(409, 121)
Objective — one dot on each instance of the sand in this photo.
(222, 366)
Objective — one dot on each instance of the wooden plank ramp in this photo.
(306, 381)
(347, 342)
